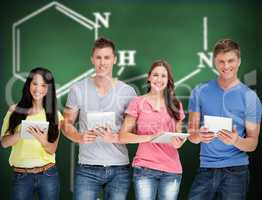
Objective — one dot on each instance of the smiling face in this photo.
(38, 88)
(103, 60)
(158, 79)
(227, 65)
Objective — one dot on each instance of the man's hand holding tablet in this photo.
(213, 125)
(102, 124)
(216, 124)
(100, 120)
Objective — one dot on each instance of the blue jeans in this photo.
(150, 183)
(229, 183)
(91, 179)
(45, 185)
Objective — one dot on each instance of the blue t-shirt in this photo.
(239, 103)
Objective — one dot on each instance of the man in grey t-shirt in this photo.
(102, 161)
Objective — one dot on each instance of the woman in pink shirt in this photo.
(157, 167)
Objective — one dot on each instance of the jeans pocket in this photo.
(203, 170)
(51, 171)
(19, 176)
(237, 170)
(138, 171)
(124, 168)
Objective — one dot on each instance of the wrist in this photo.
(150, 137)
(116, 138)
(78, 138)
(236, 141)
(44, 144)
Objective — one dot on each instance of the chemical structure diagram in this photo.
(126, 57)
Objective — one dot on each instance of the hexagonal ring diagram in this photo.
(34, 38)
(48, 32)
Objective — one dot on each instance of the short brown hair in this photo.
(103, 42)
(226, 45)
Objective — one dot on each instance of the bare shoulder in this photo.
(12, 108)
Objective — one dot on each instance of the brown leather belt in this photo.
(34, 170)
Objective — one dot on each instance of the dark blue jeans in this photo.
(91, 179)
(45, 185)
(150, 184)
(229, 183)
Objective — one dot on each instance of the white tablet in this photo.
(42, 125)
(100, 119)
(166, 137)
(215, 123)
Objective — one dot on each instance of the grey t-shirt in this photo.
(83, 96)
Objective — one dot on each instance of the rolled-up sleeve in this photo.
(74, 98)
(194, 101)
(253, 107)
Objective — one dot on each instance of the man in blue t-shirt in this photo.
(223, 171)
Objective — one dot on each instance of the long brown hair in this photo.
(171, 102)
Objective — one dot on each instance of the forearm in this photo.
(134, 138)
(50, 147)
(249, 143)
(246, 144)
(9, 140)
(193, 127)
(116, 139)
(70, 132)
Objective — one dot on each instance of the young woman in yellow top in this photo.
(33, 160)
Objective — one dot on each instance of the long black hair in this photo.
(171, 102)
(26, 102)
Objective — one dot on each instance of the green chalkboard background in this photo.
(171, 30)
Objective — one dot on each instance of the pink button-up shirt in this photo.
(163, 157)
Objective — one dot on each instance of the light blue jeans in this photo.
(45, 185)
(90, 180)
(150, 184)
